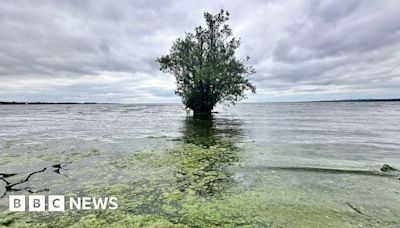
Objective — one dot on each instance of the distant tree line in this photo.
(21, 103)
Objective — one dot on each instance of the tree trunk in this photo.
(202, 111)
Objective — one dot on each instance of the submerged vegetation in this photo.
(194, 183)
(196, 189)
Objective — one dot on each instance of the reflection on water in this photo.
(209, 132)
(204, 160)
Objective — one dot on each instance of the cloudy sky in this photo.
(104, 51)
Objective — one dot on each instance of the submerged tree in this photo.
(205, 66)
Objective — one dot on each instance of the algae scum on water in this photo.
(210, 176)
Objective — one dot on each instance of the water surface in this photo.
(306, 155)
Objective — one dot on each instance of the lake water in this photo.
(319, 161)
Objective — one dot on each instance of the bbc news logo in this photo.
(58, 203)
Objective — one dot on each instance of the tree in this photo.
(205, 66)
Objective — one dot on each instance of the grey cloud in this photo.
(316, 38)
(332, 11)
(105, 50)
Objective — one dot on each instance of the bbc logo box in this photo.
(36, 203)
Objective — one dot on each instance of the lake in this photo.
(311, 164)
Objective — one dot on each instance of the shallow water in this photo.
(303, 158)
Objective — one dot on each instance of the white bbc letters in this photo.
(36, 203)
(16, 203)
(56, 203)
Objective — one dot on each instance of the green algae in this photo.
(193, 184)
(249, 209)
(205, 170)
(68, 156)
(8, 157)
(9, 144)
(146, 158)
(195, 189)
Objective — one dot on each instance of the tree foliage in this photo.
(205, 66)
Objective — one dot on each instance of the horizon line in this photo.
(303, 101)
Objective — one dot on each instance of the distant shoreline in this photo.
(44, 103)
(73, 103)
(361, 100)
